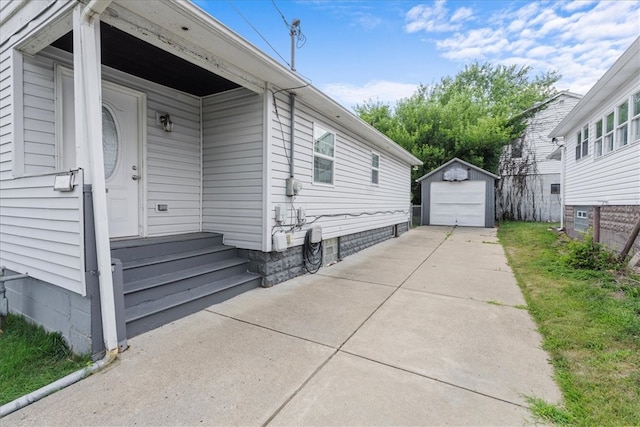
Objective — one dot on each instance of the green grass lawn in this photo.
(31, 358)
(590, 321)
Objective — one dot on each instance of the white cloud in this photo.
(436, 18)
(378, 90)
(579, 39)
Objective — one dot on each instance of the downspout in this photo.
(562, 184)
(88, 77)
(292, 101)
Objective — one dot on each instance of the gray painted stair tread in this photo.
(145, 309)
(171, 257)
(175, 276)
(128, 243)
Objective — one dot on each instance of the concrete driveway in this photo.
(425, 329)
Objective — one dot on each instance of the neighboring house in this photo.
(458, 193)
(601, 155)
(529, 186)
(136, 138)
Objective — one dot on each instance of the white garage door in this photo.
(457, 203)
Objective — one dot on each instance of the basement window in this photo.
(581, 219)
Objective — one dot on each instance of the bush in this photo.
(589, 255)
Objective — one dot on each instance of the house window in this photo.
(555, 188)
(598, 144)
(608, 136)
(581, 219)
(582, 143)
(635, 121)
(323, 155)
(622, 133)
(516, 148)
(375, 168)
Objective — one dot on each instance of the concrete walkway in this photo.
(425, 329)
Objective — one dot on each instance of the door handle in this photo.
(135, 177)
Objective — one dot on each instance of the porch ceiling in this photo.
(134, 56)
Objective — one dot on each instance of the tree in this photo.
(471, 116)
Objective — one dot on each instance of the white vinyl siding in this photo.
(354, 202)
(233, 167)
(6, 117)
(614, 177)
(172, 160)
(41, 231)
(39, 116)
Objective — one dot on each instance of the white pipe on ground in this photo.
(72, 378)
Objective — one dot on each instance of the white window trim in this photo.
(609, 135)
(373, 153)
(634, 120)
(598, 144)
(323, 156)
(619, 126)
(582, 141)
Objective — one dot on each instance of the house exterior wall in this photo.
(616, 224)
(354, 203)
(474, 175)
(613, 178)
(233, 184)
(170, 163)
(54, 308)
(523, 192)
(610, 180)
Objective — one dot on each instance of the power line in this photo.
(258, 32)
(281, 14)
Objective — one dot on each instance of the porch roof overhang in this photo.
(182, 29)
(164, 26)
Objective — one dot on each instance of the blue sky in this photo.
(382, 50)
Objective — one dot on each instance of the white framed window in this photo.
(324, 142)
(375, 168)
(608, 136)
(597, 146)
(635, 120)
(622, 130)
(582, 142)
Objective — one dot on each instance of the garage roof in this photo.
(454, 160)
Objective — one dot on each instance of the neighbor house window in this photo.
(598, 144)
(555, 188)
(581, 219)
(635, 121)
(516, 148)
(323, 154)
(582, 142)
(622, 131)
(608, 136)
(375, 168)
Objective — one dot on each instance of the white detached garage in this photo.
(458, 193)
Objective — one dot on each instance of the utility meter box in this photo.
(293, 187)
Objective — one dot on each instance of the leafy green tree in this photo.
(471, 116)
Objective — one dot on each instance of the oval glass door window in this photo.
(110, 143)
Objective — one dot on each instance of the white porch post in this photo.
(88, 117)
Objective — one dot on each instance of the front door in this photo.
(121, 145)
(121, 168)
